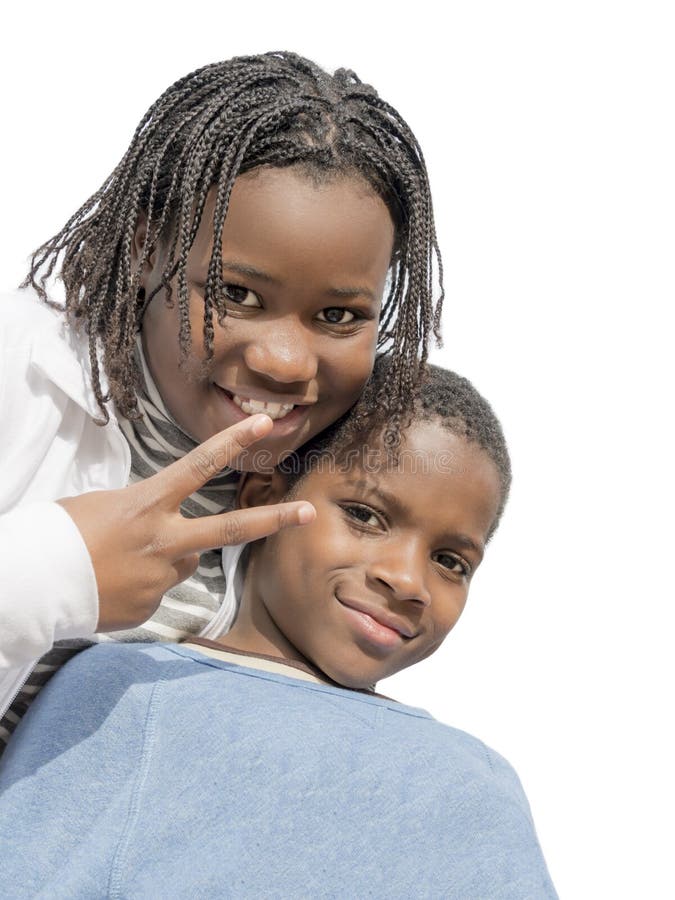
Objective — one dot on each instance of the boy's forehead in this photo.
(437, 478)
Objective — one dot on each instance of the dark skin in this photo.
(153, 546)
(301, 331)
(375, 583)
(304, 269)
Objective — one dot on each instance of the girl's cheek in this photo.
(351, 360)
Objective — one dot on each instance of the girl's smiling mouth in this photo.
(272, 409)
(286, 412)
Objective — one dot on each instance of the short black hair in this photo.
(441, 396)
(275, 109)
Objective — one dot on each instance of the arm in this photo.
(48, 584)
(100, 560)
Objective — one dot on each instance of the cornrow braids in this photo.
(275, 109)
(441, 395)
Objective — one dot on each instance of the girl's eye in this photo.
(336, 315)
(453, 563)
(240, 295)
(364, 515)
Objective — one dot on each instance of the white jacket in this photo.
(50, 448)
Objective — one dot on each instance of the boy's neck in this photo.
(263, 661)
(255, 632)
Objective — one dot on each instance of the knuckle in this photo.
(240, 440)
(231, 530)
(158, 544)
(205, 464)
(155, 547)
(202, 464)
(286, 515)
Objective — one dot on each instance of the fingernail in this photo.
(259, 424)
(306, 514)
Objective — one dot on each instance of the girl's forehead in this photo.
(276, 208)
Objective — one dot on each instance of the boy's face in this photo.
(304, 269)
(380, 577)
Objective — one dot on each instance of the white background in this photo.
(549, 136)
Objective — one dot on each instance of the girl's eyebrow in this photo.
(249, 271)
(352, 292)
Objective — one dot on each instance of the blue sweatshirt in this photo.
(157, 771)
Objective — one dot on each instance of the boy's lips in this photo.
(378, 621)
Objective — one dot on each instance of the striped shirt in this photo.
(188, 609)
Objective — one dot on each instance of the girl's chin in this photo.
(264, 456)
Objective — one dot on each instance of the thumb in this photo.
(185, 567)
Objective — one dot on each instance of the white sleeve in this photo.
(48, 586)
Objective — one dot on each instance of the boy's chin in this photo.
(354, 678)
(357, 684)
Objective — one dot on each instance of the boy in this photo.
(264, 765)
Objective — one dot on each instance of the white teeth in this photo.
(273, 410)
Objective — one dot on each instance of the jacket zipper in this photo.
(17, 685)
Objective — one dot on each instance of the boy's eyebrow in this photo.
(249, 271)
(463, 540)
(364, 484)
(469, 544)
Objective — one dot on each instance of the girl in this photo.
(268, 228)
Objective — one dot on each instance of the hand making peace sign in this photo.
(141, 545)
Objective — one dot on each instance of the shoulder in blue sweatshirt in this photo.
(210, 779)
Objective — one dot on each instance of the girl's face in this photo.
(304, 268)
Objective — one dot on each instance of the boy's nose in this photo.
(402, 570)
(284, 355)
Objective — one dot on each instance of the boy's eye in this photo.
(363, 514)
(336, 315)
(453, 563)
(240, 295)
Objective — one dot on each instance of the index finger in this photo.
(187, 475)
(240, 526)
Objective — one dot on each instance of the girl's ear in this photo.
(260, 488)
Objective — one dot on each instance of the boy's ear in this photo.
(260, 488)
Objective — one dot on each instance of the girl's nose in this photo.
(282, 354)
(402, 569)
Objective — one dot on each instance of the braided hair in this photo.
(275, 109)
